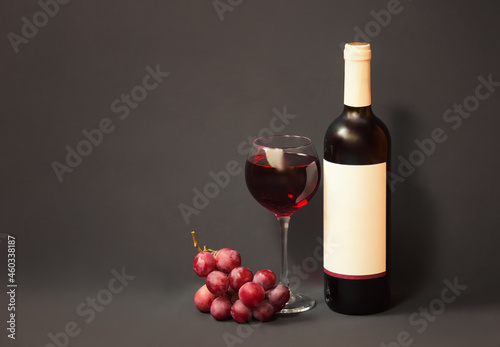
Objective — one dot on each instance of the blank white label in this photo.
(354, 220)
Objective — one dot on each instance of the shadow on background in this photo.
(413, 228)
(305, 236)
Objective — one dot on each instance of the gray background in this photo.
(120, 206)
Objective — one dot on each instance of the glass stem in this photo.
(284, 223)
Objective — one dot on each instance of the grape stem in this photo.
(193, 234)
(205, 249)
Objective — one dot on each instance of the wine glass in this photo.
(282, 173)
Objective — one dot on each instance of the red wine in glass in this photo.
(282, 173)
(286, 188)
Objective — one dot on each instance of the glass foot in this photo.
(298, 303)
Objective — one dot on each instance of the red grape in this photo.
(203, 299)
(233, 290)
(279, 296)
(227, 259)
(221, 307)
(266, 278)
(204, 263)
(279, 308)
(217, 282)
(240, 312)
(239, 276)
(263, 311)
(251, 294)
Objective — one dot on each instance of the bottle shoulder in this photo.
(358, 139)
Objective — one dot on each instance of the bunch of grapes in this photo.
(233, 290)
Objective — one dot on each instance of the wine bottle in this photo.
(356, 197)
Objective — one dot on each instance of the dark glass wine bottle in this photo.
(356, 197)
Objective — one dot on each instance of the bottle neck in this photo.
(352, 112)
(357, 89)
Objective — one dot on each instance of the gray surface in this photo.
(119, 207)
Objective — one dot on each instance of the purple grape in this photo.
(266, 278)
(221, 307)
(251, 294)
(204, 264)
(239, 276)
(279, 296)
(217, 283)
(240, 312)
(227, 259)
(263, 311)
(203, 299)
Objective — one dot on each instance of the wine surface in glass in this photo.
(285, 186)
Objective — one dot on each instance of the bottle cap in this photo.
(357, 51)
